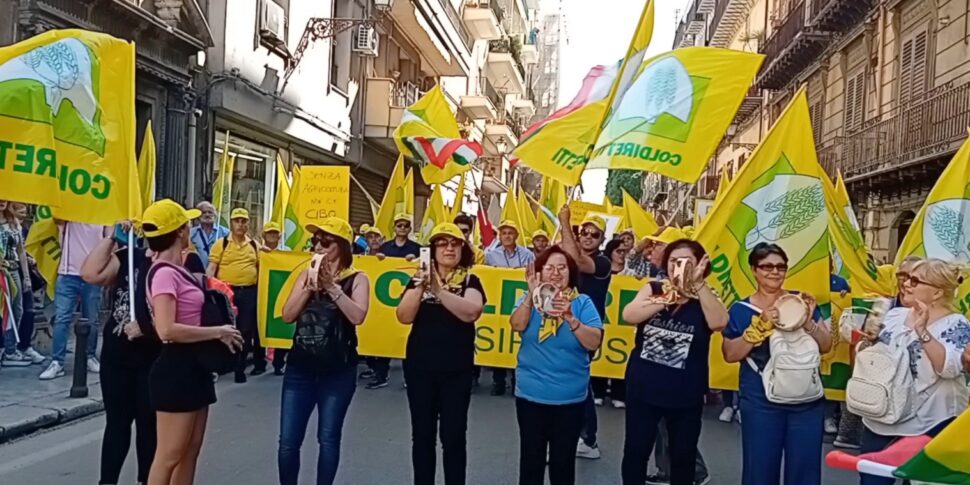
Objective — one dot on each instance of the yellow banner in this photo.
(67, 126)
(324, 192)
(44, 245)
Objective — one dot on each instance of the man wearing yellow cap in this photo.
(373, 239)
(646, 258)
(272, 238)
(235, 260)
(401, 246)
(507, 254)
(540, 242)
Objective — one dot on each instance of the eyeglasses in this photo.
(324, 240)
(465, 230)
(448, 242)
(403, 225)
(902, 276)
(561, 269)
(915, 281)
(771, 268)
(590, 234)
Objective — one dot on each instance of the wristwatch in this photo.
(925, 337)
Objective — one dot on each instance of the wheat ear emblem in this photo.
(947, 225)
(793, 211)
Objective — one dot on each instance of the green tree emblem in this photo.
(947, 225)
(791, 212)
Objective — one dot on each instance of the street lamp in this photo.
(502, 146)
(383, 5)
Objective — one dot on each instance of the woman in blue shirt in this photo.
(552, 375)
(667, 374)
(769, 430)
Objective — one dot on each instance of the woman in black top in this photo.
(667, 374)
(322, 364)
(441, 304)
(128, 350)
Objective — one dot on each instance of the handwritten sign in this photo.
(324, 192)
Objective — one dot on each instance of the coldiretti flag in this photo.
(67, 125)
(434, 214)
(559, 149)
(674, 115)
(459, 199)
(527, 215)
(44, 245)
(946, 459)
(777, 197)
(428, 133)
(641, 221)
(551, 199)
(282, 193)
(723, 184)
(146, 167)
(942, 226)
(222, 187)
(510, 212)
(294, 235)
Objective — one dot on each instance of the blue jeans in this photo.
(770, 431)
(331, 395)
(68, 290)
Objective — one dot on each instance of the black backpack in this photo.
(324, 340)
(213, 355)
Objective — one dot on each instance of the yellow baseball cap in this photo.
(596, 221)
(539, 233)
(668, 236)
(508, 223)
(271, 227)
(369, 229)
(446, 229)
(335, 226)
(239, 213)
(166, 216)
(403, 216)
(688, 231)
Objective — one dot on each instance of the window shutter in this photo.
(906, 71)
(815, 113)
(860, 97)
(918, 77)
(849, 104)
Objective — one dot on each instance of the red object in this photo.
(899, 452)
(485, 228)
(222, 287)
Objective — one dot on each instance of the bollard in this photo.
(82, 329)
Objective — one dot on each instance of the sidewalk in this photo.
(28, 403)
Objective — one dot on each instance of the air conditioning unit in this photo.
(272, 21)
(367, 41)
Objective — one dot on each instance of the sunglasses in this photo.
(771, 268)
(915, 281)
(590, 234)
(403, 225)
(443, 243)
(324, 240)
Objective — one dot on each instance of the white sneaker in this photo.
(585, 451)
(34, 356)
(54, 370)
(831, 427)
(727, 415)
(93, 365)
(618, 404)
(598, 401)
(16, 359)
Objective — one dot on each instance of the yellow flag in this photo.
(67, 125)
(295, 236)
(434, 214)
(551, 200)
(510, 212)
(393, 203)
(282, 193)
(44, 245)
(634, 56)
(428, 133)
(459, 199)
(559, 149)
(146, 167)
(527, 215)
(777, 197)
(942, 226)
(722, 186)
(638, 218)
(222, 187)
(407, 205)
(674, 115)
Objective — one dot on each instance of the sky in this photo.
(599, 32)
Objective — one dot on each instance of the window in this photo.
(913, 67)
(816, 114)
(272, 25)
(252, 179)
(855, 89)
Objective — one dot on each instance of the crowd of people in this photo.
(158, 369)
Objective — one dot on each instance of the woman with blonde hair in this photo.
(935, 336)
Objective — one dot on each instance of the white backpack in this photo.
(792, 374)
(882, 387)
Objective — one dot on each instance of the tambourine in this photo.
(669, 294)
(681, 270)
(792, 312)
(313, 272)
(543, 298)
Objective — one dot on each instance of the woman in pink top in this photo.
(181, 389)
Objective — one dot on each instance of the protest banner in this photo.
(324, 192)
(382, 335)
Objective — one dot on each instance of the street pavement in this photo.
(240, 446)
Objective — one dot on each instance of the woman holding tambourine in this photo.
(778, 337)
(667, 374)
(559, 327)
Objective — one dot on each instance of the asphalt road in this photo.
(240, 446)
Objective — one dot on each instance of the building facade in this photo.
(888, 86)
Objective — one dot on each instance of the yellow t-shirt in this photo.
(479, 255)
(238, 263)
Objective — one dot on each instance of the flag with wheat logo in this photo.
(942, 226)
(777, 197)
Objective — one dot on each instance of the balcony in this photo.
(503, 67)
(498, 133)
(794, 44)
(910, 145)
(751, 103)
(838, 15)
(479, 107)
(385, 103)
(529, 53)
(524, 107)
(729, 15)
(705, 7)
(481, 19)
(423, 26)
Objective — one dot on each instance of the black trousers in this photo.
(381, 367)
(439, 402)
(542, 428)
(245, 299)
(683, 430)
(126, 400)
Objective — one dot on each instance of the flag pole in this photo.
(13, 322)
(131, 273)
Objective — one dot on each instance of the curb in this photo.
(22, 419)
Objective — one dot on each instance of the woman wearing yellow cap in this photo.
(181, 389)
(329, 300)
(441, 303)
